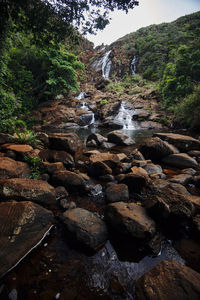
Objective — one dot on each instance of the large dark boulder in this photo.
(117, 193)
(69, 142)
(156, 149)
(169, 280)
(183, 142)
(98, 169)
(130, 219)
(136, 180)
(70, 180)
(57, 156)
(22, 226)
(38, 191)
(180, 160)
(85, 227)
(120, 138)
(98, 138)
(10, 168)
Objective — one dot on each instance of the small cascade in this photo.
(124, 117)
(81, 95)
(84, 105)
(134, 64)
(106, 65)
(88, 118)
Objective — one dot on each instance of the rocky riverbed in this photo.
(109, 219)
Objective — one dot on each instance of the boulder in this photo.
(112, 160)
(180, 160)
(195, 200)
(181, 178)
(99, 169)
(152, 169)
(111, 124)
(98, 138)
(23, 225)
(53, 167)
(183, 142)
(107, 146)
(70, 180)
(85, 227)
(10, 168)
(156, 149)
(117, 193)
(130, 219)
(18, 148)
(119, 138)
(169, 280)
(151, 125)
(57, 156)
(179, 188)
(136, 180)
(55, 113)
(189, 171)
(38, 191)
(69, 142)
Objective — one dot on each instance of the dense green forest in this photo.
(169, 54)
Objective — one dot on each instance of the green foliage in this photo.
(35, 164)
(26, 137)
(189, 109)
(103, 102)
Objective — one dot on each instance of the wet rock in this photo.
(69, 142)
(38, 191)
(118, 137)
(190, 252)
(98, 169)
(181, 178)
(189, 171)
(86, 227)
(137, 155)
(57, 156)
(22, 226)
(151, 168)
(53, 167)
(156, 149)
(182, 142)
(10, 168)
(130, 219)
(70, 180)
(112, 124)
(91, 143)
(107, 146)
(117, 193)
(136, 180)
(17, 148)
(61, 193)
(151, 125)
(179, 188)
(180, 160)
(98, 138)
(112, 160)
(169, 280)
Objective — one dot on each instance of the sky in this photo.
(147, 13)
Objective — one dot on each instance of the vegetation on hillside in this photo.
(170, 53)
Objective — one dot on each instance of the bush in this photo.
(26, 137)
(190, 109)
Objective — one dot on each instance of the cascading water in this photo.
(124, 117)
(82, 95)
(88, 118)
(106, 65)
(134, 64)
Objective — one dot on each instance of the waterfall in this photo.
(82, 95)
(106, 65)
(134, 64)
(125, 117)
(86, 119)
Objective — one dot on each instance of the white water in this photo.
(134, 64)
(106, 65)
(81, 96)
(124, 116)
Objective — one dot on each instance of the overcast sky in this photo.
(148, 12)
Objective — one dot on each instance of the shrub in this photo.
(26, 137)
(35, 164)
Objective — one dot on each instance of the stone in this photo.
(112, 124)
(156, 149)
(117, 193)
(61, 193)
(122, 156)
(183, 142)
(99, 169)
(19, 148)
(180, 160)
(195, 200)
(136, 180)
(190, 252)
(151, 168)
(189, 171)
(53, 167)
(70, 180)
(137, 155)
(10, 168)
(154, 176)
(86, 227)
(98, 138)
(140, 163)
(107, 146)
(67, 205)
(70, 142)
(119, 138)
(91, 152)
(169, 280)
(130, 219)
(91, 144)
(179, 188)
(181, 178)
(112, 160)
(21, 189)
(151, 125)
(54, 114)
(57, 156)
(23, 225)
(195, 153)
(42, 136)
